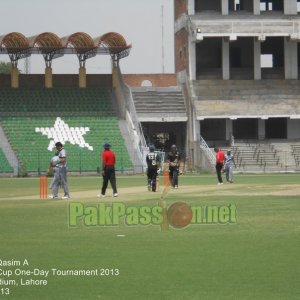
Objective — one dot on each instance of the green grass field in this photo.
(255, 258)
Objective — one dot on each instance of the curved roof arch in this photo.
(79, 40)
(113, 39)
(14, 40)
(45, 40)
(17, 46)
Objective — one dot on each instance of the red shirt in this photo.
(220, 157)
(108, 158)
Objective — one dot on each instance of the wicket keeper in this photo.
(174, 162)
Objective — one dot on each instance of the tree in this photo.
(5, 67)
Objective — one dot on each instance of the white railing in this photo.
(136, 132)
(241, 27)
(129, 114)
(209, 154)
(131, 109)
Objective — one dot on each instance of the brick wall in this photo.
(180, 8)
(38, 80)
(59, 80)
(157, 80)
(181, 51)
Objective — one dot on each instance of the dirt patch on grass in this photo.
(140, 192)
(287, 190)
(243, 189)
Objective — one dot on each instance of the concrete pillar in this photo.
(225, 59)
(261, 129)
(257, 59)
(229, 129)
(191, 7)
(293, 129)
(192, 59)
(224, 7)
(48, 77)
(196, 127)
(256, 7)
(14, 75)
(290, 59)
(82, 77)
(290, 7)
(119, 95)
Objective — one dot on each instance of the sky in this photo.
(147, 25)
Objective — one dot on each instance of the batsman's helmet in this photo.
(59, 144)
(151, 148)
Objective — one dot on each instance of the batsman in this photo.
(174, 162)
(153, 165)
(59, 165)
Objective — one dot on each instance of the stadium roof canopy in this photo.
(17, 46)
